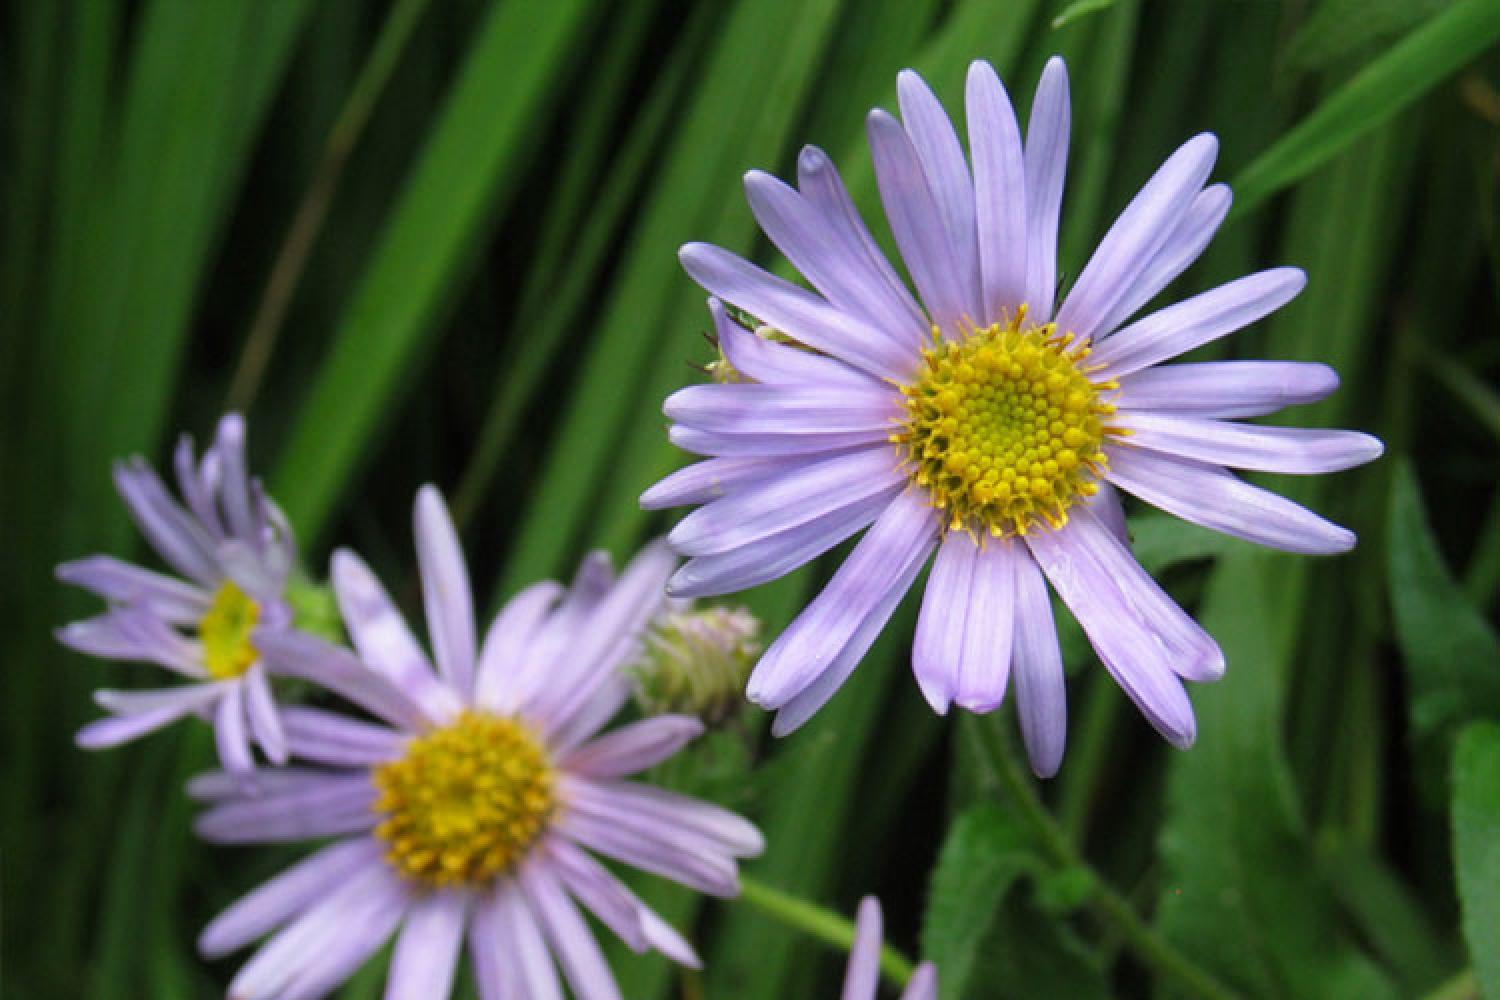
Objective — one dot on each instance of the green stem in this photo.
(291, 260)
(1463, 986)
(1149, 946)
(825, 925)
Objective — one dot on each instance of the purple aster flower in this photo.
(863, 974)
(984, 423)
(469, 807)
(234, 553)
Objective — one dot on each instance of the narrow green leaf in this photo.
(1078, 9)
(1404, 73)
(1482, 400)
(1476, 846)
(480, 140)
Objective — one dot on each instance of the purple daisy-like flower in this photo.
(234, 552)
(470, 807)
(984, 423)
(862, 976)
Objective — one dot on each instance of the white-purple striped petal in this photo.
(1137, 658)
(508, 950)
(260, 712)
(709, 480)
(751, 408)
(942, 157)
(1216, 499)
(775, 555)
(633, 748)
(1185, 245)
(822, 257)
(1300, 451)
(383, 639)
(582, 962)
(763, 360)
(122, 583)
(1041, 686)
(1227, 389)
(426, 955)
(862, 975)
(311, 879)
(324, 737)
(445, 592)
(918, 225)
(1194, 322)
(784, 501)
(999, 193)
(904, 533)
(503, 658)
(1046, 156)
(339, 804)
(820, 184)
(797, 312)
(1136, 236)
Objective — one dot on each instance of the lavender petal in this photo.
(1212, 497)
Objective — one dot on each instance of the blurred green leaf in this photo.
(1389, 83)
(1389, 915)
(983, 855)
(1241, 890)
(477, 146)
(1476, 846)
(1449, 650)
(1481, 399)
(1337, 29)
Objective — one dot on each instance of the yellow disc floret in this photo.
(225, 632)
(465, 802)
(1004, 429)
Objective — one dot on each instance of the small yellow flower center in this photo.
(465, 802)
(225, 632)
(1004, 428)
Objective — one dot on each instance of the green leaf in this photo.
(481, 139)
(983, 856)
(1449, 650)
(1404, 73)
(1030, 952)
(1476, 846)
(1242, 890)
(1338, 29)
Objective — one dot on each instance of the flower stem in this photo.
(1149, 946)
(312, 212)
(825, 925)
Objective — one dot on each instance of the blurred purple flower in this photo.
(469, 808)
(234, 553)
(863, 974)
(983, 423)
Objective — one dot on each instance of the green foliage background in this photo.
(434, 241)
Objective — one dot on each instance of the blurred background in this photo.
(435, 241)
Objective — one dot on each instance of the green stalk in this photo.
(1109, 905)
(291, 260)
(815, 921)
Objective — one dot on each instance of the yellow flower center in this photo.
(465, 802)
(225, 632)
(1004, 428)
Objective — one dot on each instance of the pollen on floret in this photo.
(1004, 430)
(465, 802)
(224, 631)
